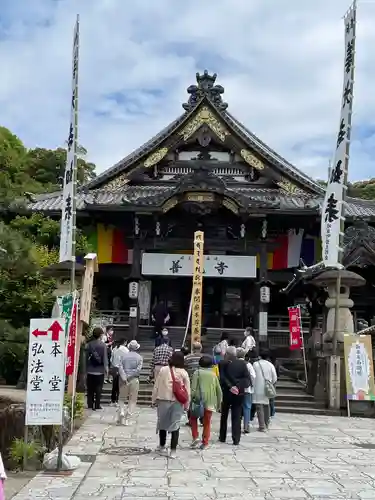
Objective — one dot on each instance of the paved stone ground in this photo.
(301, 457)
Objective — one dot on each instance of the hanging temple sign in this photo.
(205, 88)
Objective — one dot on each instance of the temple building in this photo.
(206, 171)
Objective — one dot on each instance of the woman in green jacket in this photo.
(206, 397)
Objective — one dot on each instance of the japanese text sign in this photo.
(359, 370)
(295, 329)
(196, 306)
(72, 341)
(45, 372)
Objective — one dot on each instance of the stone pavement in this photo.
(301, 457)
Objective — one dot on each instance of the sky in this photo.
(280, 62)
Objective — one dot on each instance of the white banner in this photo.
(215, 266)
(45, 372)
(333, 205)
(67, 243)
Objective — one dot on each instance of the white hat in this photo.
(133, 345)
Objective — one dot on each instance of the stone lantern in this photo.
(328, 280)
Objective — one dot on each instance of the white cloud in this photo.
(279, 61)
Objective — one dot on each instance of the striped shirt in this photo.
(192, 362)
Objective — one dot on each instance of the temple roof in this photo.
(289, 189)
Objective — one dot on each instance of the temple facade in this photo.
(206, 171)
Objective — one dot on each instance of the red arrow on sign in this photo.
(38, 333)
(55, 328)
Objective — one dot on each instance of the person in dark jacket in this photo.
(96, 369)
(160, 317)
(234, 379)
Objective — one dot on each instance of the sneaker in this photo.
(203, 446)
(126, 421)
(261, 430)
(246, 430)
(160, 449)
(172, 454)
(195, 443)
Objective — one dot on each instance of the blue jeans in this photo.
(246, 408)
(272, 408)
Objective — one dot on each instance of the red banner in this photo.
(295, 328)
(71, 350)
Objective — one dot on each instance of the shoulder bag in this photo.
(269, 388)
(179, 389)
(197, 405)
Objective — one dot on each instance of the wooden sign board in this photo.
(88, 281)
(196, 313)
(359, 368)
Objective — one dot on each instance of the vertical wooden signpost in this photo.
(196, 295)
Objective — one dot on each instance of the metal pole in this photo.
(25, 441)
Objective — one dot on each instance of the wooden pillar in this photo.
(135, 276)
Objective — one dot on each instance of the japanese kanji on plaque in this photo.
(295, 329)
(196, 311)
(45, 372)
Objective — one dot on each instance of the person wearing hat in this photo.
(163, 338)
(129, 371)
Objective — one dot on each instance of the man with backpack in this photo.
(96, 369)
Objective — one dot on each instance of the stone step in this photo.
(311, 410)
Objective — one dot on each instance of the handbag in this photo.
(196, 405)
(269, 388)
(179, 389)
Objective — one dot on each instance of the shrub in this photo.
(79, 405)
(33, 450)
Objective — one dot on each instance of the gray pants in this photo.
(263, 412)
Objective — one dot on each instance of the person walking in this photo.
(223, 343)
(192, 360)
(234, 379)
(169, 409)
(249, 343)
(160, 317)
(162, 338)
(248, 395)
(206, 398)
(96, 369)
(130, 367)
(117, 352)
(265, 375)
(160, 358)
(272, 359)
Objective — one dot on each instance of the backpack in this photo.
(95, 358)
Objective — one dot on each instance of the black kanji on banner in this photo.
(348, 94)
(349, 58)
(349, 25)
(336, 173)
(69, 174)
(331, 212)
(342, 133)
(68, 207)
(71, 136)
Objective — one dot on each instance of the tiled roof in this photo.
(145, 195)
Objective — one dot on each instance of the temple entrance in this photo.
(226, 302)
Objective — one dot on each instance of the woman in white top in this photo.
(248, 396)
(264, 370)
(223, 344)
(249, 343)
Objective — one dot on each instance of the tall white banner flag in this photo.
(68, 211)
(333, 205)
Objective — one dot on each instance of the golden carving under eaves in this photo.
(169, 204)
(199, 197)
(155, 157)
(290, 188)
(116, 183)
(252, 160)
(205, 117)
(230, 205)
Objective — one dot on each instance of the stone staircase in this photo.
(291, 395)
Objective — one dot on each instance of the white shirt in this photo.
(223, 345)
(248, 344)
(263, 367)
(116, 355)
(2, 470)
(252, 373)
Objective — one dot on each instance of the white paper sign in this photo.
(46, 372)
(215, 266)
(333, 205)
(69, 189)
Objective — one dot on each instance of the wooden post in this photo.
(196, 296)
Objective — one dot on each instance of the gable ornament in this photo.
(116, 183)
(252, 160)
(205, 117)
(155, 157)
(290, 188)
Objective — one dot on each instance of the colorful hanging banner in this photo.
(109, 243)
(359, 368)
(68, 213)
(196, 294)
(295, 328)
(72, 340)
(333, 206)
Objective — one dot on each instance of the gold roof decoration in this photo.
(116, 183)
(169, 204)
(205, 117)
(155, 157)
(252, 160)
(290, 188)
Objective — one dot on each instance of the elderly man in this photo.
(192, 360)
(130, 366)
